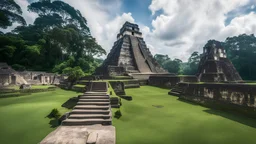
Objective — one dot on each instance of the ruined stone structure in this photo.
(169, 81)
(237, 97)
(9, 76)
(129, 55)
(214, 65)
(220, 88)
(37, 77)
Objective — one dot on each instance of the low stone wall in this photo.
(118, 87)
(145, 76)
(4, 79)
(131, 84)
(169, 81)
(79, 89)
(143, 82)
(235, 97)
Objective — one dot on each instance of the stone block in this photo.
(92, 139)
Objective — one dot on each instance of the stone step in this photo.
(71, 122)
(93, 103)
(93, 100)
(94, 97)
(82, 111)
(90, 116)
(94, 94)
(91, 107)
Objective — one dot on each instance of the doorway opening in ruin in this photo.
(132, 33)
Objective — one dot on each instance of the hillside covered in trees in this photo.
(58, 39)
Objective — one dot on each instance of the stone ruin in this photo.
(129, 55)
(9, 76)
(221, 87)
(214, 65)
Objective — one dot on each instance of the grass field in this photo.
(153, 117)
(23, 119)
(32, 87)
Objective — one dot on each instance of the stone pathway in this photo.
(91, 109)
(81, 135)
(91, 114)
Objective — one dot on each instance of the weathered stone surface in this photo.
(9, 75)
(118, 87)
(237, 97)
(169, 81)
(25, 86)
(79, 135)
(92, 139)
(214, 65)
(64, 135)
(129, 55)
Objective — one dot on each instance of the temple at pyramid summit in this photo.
(129, 55)
(214, 65)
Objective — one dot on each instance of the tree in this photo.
(74, 74)
(161, 59)
(62, 13)
(191, 67)
(57, 34)
(241, 50)
(173, 66)
(10, 12)
(9, 45)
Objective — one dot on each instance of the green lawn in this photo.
(23, 119)
(32, 87)
(177, 122)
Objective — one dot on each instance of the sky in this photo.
(173, 27)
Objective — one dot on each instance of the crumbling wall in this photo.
(116, 71)
(235, 97)
(118, 87)
(4, 79)
(169, 81)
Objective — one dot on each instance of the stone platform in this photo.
(145, 76)
(81, 135)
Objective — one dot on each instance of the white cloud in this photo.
(182, 27)
(28, 16)
(102, 18)
(185, 26)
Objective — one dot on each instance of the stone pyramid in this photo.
(129, 55)
(214, 65)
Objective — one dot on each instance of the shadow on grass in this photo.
(55, 118)
(186, 101)
(118, 114)
(71, 103)
(54, 123)
(226, 113)
(234, 117)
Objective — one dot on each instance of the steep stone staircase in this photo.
(93, 107)
(138, 57)
(230, 70)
